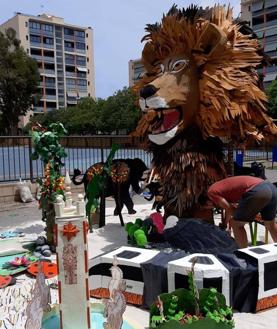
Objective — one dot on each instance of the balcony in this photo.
(69, 49)
(68, 37)
(47, 72)
(81, 51)
(37, 57)
(82, 88)
(49, 59)
(80, 39)
(47, 46)
(38, 109)
(81, 75)
(70, 61)
(49, 98)
(70, 74)
(35, 31)
(265, 25)
(50, 85)
(47, 33)
(81, 63)
(41, 45)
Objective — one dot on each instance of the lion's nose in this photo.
(148, 91)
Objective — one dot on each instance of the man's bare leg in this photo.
(272, 228)
(239, 233)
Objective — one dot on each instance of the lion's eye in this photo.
(160, 69)
(179, 65)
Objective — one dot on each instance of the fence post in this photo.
(30, 159)
(274, 156)
(230, 159)
(239, 157)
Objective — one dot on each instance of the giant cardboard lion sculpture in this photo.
(200, 84)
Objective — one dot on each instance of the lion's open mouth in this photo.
(165, 120)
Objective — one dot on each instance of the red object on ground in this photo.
(48, 269)
(158, 222)
(5, 281)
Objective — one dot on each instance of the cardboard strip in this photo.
(86, 260)
(265, 303)
(130, 298)
(85, 232)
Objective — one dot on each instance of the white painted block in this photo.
(208, 272)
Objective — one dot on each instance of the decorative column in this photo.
(72, 259)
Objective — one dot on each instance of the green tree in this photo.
(117, 113)
(272, 99)
(19, 79)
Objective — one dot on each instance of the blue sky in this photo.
(118, 28)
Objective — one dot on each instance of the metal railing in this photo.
(82, 152)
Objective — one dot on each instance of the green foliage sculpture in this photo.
(19, 78)
(97, 185)
(48, 148)
(191, 308)
(137, 233)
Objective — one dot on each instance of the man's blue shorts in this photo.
(260, 199)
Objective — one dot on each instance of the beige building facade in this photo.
(261, 16)
(136, 70)
(65, 58)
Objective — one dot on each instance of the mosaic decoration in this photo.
(70, 263)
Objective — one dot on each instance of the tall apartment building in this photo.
(262, 17)
(64, 54)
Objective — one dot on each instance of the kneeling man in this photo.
(253, 195)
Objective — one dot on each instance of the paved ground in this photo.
(27, 217)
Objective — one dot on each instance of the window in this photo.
(88, 71)
(81, 82)
(80, 34)
(48, 79)
(68, 31)
(68, 44)
(34, 25)
(48, 53)
(87, 35)
(81, 60)
(48, 41)
(27, 50)
(88, 94)
(257, 20)
(47, 27)
(70, 82)
(271, 16)
(88, 83)
(35, 38)
(69, 57)
(27, 38)
(26, 24)
(80, 45)
(82, 74)
(87, 59)
(87, 47)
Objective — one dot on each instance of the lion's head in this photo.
(201, 70)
